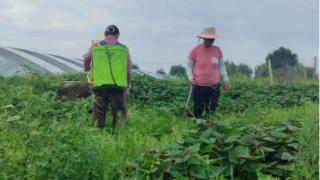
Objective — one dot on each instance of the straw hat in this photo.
(209, 33)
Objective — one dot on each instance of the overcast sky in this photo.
(160, 33)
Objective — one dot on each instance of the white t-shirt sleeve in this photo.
(189, 69)
(223, 71)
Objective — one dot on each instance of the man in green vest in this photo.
(109, 66)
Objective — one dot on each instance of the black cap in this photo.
(112, 29)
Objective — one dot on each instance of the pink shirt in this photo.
(206, 68)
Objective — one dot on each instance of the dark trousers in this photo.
(205, 99)
(103, 97)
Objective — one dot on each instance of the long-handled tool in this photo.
(189, 96)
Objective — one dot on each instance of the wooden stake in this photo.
(315, 65)
(270, 71)
(304, 74)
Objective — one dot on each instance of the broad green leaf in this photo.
(176, 174)
(215, 171)
(191, 140)
(35, 133)
(198, 172)
(255, 167)
(280, 129)
(215, 161)
(287, 156)
(232, 138)
(284, 167)
(291, 139)
(7, 106)
(274, 171)
(272, 163)
(237, 154)
(191, 131)
(208, 133)
(294, 145)
(207, 140)
(270, 139)
(266, 177)
(201, 121)
(165, 166)
(13, 118)
(279, 135)
(292, 128)
(193, 148)
(208, 148)
(183, 159)
(256, 157)
(266, 149)
(194, 160)
(171, 146)
(173, 152)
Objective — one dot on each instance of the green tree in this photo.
(282, 58)
(310, 72)
(236, 70)
(177, 70)
(161, 71)
(261, 71)
(231, 68)
(135, 66)
(284, 64)
(245, 70)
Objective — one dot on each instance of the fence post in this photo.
(316, 65)
(304, 73)
(270, 71)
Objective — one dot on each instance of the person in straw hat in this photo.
(205, 68)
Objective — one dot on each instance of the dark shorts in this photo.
(105, 97)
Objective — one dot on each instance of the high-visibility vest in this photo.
(109, 66)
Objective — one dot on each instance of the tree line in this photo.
(285, 67)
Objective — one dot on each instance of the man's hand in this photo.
(227, 85)
(127, 91)
(93, 45)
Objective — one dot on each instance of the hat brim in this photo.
(207, 36)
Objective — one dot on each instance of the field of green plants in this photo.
(259, 132)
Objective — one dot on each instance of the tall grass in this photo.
(41, 138)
